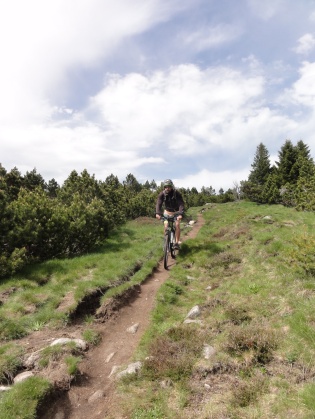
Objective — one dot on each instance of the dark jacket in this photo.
(173, 202)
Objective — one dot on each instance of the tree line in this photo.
(43, 220)
(290, 181)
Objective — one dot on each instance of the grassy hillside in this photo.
(248, 354)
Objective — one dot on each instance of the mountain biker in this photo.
(173, 202)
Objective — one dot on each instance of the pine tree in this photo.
(52, 188)
(132, 184)
(14, 181)
(33, 179)
(270, 193)
(305, 194)
(286, 166)
(304, 165)
(261, 166)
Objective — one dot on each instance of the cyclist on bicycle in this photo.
(173, 203)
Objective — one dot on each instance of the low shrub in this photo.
(260, 341)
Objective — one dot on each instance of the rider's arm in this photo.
(180, 203)
(159, 203)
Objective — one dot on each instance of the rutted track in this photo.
(116, 349)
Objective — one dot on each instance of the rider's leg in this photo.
(165, 225)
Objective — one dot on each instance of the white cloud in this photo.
(267, 9)
(211, 36)
(182, 108)
(140, 120)
(303, 90)
(225, 179)
(56, 151)
(42, 42)
(305, 44)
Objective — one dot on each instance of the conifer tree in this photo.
(286, 166)
(252, 189)
(304, 165)
(270, 193)
(261, 166)
(14, 181)
(52, 188)
(132, 184)
(305, 194)
(33, 179)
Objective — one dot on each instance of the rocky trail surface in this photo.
(92, 395)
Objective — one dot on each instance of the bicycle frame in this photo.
(169, 237)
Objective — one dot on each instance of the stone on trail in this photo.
(110, 356)
(79, 343)
(194, 312)
(208, 351)
(133, 329)
(131, 369)
(113, 371)
(96, 396)
(23, 376)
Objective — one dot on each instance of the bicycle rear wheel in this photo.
(166, 249)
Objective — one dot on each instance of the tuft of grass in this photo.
(307, 395)
(91, 336)
(10, 361)
(37, 325)
(29, 394)
(154, 412)
(72, 364)
(11, 329)
(170, 293)
(51, 353)
(56, 353)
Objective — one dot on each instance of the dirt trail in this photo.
(116, 349)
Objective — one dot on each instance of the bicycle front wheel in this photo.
(166, 249)
(172, 245)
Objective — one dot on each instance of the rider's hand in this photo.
(179, 217)
(158, 216)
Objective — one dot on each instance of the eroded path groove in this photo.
(116, 349)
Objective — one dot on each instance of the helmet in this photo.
(168, 182)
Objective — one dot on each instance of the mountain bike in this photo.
(169, 237)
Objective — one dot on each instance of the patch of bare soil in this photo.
(116, 349)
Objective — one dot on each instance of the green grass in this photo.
(129, 255)
(10, 361)
(91, 336)
(29, 394)
(251, 270)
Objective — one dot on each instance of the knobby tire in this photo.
(166, 249)
(172, 244)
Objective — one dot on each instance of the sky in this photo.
(180, 89)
